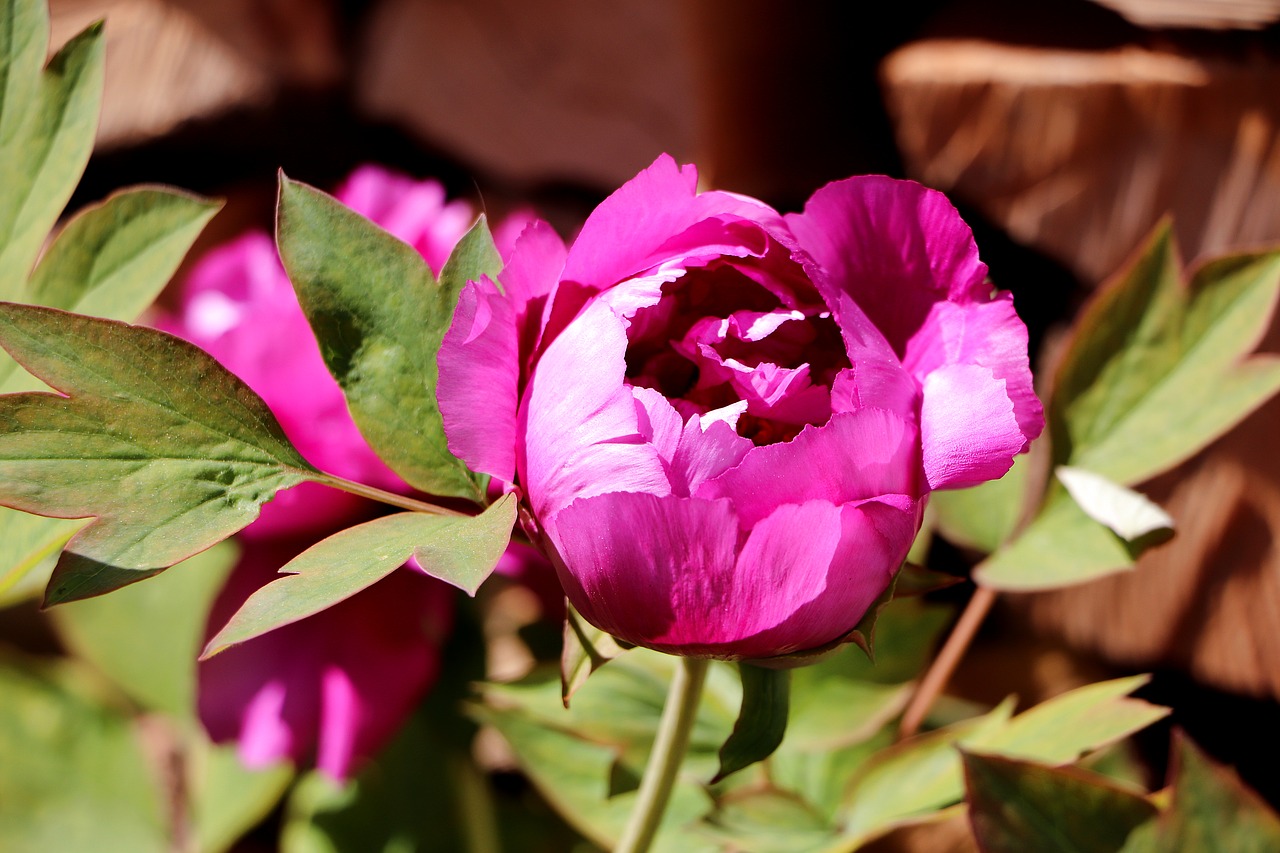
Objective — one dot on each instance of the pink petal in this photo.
(894, 246)
(968, 427)
(853, 457)
(640, 225)
(693, 451)
(874, 537)
(529, 279)
(479, 374)
(670, 579)
(579, 421)
(986, 334)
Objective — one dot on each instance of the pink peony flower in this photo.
(725, 422)
(339, 684)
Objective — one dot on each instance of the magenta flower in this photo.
(338, 685)
(726, 422)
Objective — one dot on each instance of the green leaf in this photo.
(587, 759)
(226, 799)
(459, 550)
(586, 648)
(922, 774)
(1065, 727)
(118, 633)
(168, 450)
(762, 721)
(47, 125)
(1211, 810)
(32, 543)
(1158, 368)
(73, 775)
(983, 517)
(768, 821)
(1016, 806)
(1126, 513)
(380, 318)
(1061, 547)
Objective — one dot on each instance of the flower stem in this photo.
(381, 496)
(945, 663)
(668, 752)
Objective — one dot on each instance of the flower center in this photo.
(718, 339)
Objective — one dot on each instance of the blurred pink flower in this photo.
(726, 422)
(338, 684)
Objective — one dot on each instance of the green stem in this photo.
(379, 495)
(668, 752)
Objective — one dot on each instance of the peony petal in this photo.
(874, 537)
(853, 457)
(670, 580)
(479, 375)
(985, 334)
(580, 427)
(968, 428)
(896, 247)
(640, 225)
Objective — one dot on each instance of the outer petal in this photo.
(670, 580)
(580, 428)
(479, 377)
(968, 427)
(639, 225)
(894, 246)
(337, 684)
(985, 334)
(874, 539)
(853, 457)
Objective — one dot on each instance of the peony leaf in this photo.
(165, 447)
(586, 648)
(581, 759)
(1061, 547)
(459, 550)
(1159, 367)
(1211, 810)
(1016, 806)
(762, 720)
(1128, 514)
(913, 779)
(380, 318)
(47, 124)
(117, 633)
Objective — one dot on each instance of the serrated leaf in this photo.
(118, 633)
(459, 550)
(1211, 810)
(762, 719)
(167, 449)
(1065, 727)
(379, 318)
(1128, 514)
(586, 648)
(1158, 368)
(47, 124)
(923, 774)
(1016, 806)
(1061, 547)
